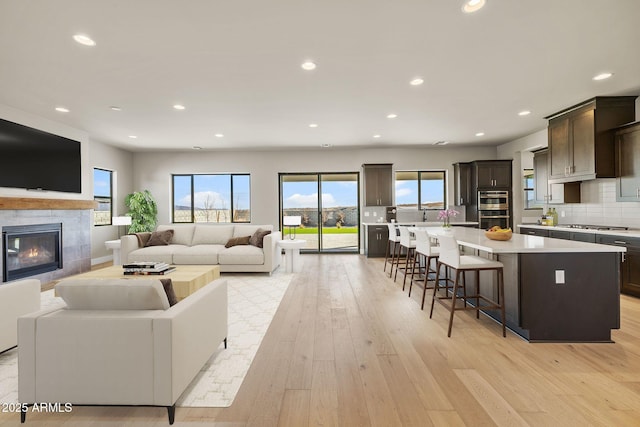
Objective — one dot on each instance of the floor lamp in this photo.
(292, 222)
(121, 221)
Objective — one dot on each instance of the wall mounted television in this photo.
(38, 160)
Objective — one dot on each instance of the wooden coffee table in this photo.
(186, 279)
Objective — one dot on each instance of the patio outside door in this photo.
(329, 206)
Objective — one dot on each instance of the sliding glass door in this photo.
(328, 206)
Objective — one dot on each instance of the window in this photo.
(421, 189)
(103, 194)
(212, 198)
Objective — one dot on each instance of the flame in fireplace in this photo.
(33, 252)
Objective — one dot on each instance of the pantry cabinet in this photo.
(378, 184)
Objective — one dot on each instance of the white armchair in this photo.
(16, 298)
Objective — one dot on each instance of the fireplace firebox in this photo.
(31, 249)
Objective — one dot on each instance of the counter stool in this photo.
(410, 246)
(425, 252)
(450, 257)
(392, 247)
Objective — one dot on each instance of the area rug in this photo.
(253, 301)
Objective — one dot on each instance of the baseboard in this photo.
(101, 260)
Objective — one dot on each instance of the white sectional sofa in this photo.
(16, 298)
(205, 244)
(117, 342)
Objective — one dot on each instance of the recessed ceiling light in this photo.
(219, 135)
(179, 107)
(471, 6)
(391, 116)
(114, 108)
(62, 109)
(441, 143)
(376, 136)
(84, 40)
(416, 82)
(313, 125)
(602, 76)
(480, 134)
(524, 113)
(326, 145)
(196, 147)
(132, 136)
(308, 65)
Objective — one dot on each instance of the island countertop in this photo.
(563, 227)
(521, 243)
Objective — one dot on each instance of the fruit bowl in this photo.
(499, 235)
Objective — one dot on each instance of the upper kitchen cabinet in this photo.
(546, 193)
(378, 184)
(492, 174)
(628, 163)
(582, 140)
(462, 183)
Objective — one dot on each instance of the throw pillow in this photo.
(143, 238)
(168, 288)
(258, 237)
(235, 241)
(160, 238)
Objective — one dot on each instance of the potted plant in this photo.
(142, 210)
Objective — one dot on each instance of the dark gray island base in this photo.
(555, 290)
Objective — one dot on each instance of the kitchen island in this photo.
(555, 290)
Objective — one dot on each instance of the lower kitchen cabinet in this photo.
(631, 265)
(534, 232)
(377, 240)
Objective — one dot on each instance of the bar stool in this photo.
(407, 242)
(426, 252)
(450, 256)
(392, 247)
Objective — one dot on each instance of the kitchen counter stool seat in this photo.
(450, 257)
(407, 242)
(425, 252)
(392, 247)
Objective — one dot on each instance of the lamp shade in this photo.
(121, 220)
(292, 220)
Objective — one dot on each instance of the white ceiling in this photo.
(235, 65)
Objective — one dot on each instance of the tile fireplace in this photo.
(29, 250)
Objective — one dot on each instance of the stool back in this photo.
(405, 237)
(423, 242)
(449, 251)
(393, 233)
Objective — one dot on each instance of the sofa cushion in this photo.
(212, 234)
(235, 241)
(182, 233)
(241, 255)
(113, 294)
(258, 237)
(160, 238)
(154, 253)
(199, 254)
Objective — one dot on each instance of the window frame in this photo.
(419, 182)
(103, 199)
(192, 220)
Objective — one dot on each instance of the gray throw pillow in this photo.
(234, 241)
(258, 237)
(168, 289)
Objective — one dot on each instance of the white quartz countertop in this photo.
(560, 227)
(520, 243)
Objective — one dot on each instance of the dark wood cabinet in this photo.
(377, 240)
(559, 234)
(378, 184)
(551, 193)
(492, 174)
(631, 265)
(581, 138)
(628, 163)
(534, 232)
(462, 183)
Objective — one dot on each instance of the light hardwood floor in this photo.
(348, 347)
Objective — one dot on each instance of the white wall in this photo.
(104, 156)
(27, 119)
(153, 171)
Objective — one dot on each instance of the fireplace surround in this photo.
(29, 250)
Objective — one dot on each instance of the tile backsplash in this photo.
(599, 207)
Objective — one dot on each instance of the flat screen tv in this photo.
(38, 160)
